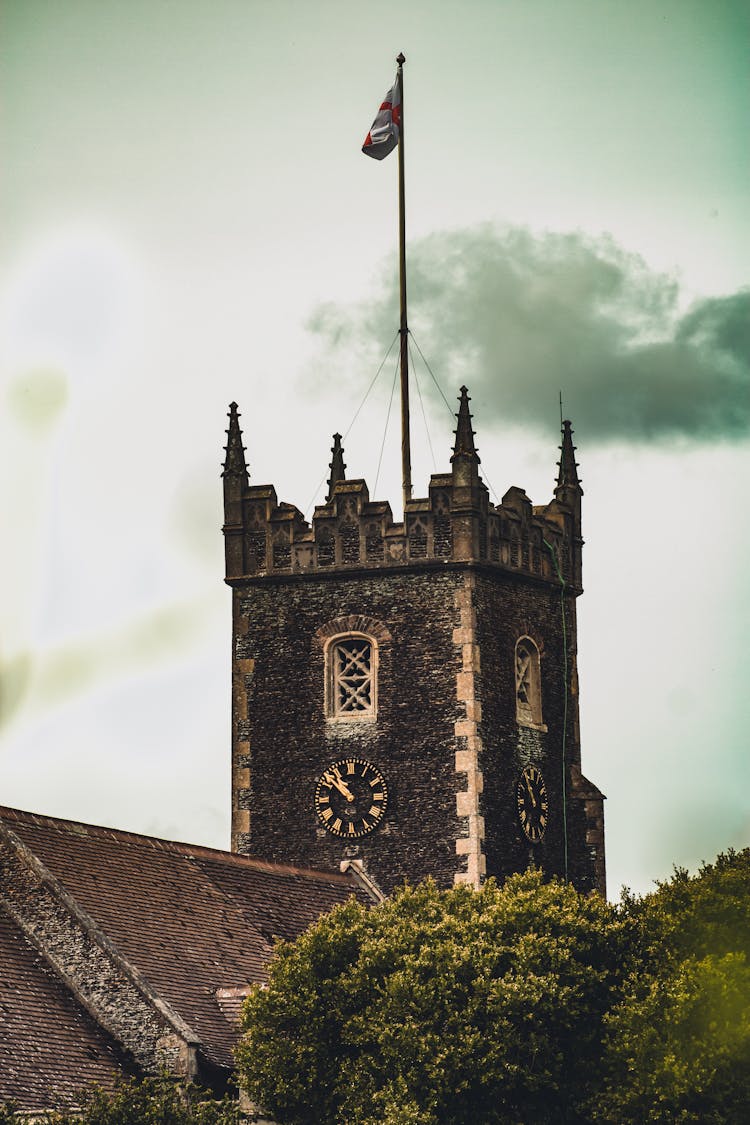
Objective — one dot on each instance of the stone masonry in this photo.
(97, 975)
(443, 597)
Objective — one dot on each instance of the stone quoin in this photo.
(404, 705)
(460, 624)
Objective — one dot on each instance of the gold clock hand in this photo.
(342, 787)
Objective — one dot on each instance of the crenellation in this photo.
(455, 522)
(262, 495)
(325, 547)
(516, 500)
(349, 536)
(443, 597)
(352, 531)
(418, 536)
(374, 543)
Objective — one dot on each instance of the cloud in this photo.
(518, 317)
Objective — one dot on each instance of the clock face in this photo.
(351, 798)
(533, 806)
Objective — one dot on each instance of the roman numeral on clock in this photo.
(350, 798)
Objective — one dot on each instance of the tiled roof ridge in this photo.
(44, 1016)
(181, 847)
(71, 942)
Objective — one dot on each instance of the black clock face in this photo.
(533, 806)
(351, 798)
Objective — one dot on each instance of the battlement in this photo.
(455, 522)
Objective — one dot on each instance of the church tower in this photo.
(405, 695)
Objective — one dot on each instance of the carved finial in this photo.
(400, 58)
(568, 468)
(234, 462)
(464, 434)
(337, 466)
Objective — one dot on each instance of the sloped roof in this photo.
(49, 1046)
(194, 921)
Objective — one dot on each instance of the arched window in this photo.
(351, 677)
(528, 683)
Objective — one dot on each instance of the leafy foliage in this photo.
(437, 1006)
(152, 1101)
(706, 914)
(525, 1003)
(677, 1046)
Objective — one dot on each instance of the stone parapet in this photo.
(352, 532)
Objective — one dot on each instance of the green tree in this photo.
(677, 1045)
(455, 1007)
(151, 1101)
(700, 915)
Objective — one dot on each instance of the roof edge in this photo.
(361, 877)
(9, 814)
(84, 958)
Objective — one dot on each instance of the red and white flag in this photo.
(385, 129)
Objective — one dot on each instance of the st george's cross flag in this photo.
(384, 131)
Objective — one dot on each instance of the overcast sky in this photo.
(188, 220)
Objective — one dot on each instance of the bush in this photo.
(456, 1007)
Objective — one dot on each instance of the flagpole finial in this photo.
(401, 58)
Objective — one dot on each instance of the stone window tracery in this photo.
(351, 677)
(528, 683)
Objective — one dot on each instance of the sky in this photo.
(188, 220)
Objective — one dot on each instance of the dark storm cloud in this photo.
(518, 317)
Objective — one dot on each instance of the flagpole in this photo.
(403, 330)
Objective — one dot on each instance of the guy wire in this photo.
(424, 414)
(424, 361)
(385, 431)
(450, 409)
(354, 419)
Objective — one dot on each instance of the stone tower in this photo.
(405, 695)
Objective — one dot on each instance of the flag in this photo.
(385, 129)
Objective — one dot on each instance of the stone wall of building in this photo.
(445, 596)
(285, 740)
(99, 978)
(353, 531)
(509, 746)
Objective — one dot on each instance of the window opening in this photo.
(528, 683)
(352, 678)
